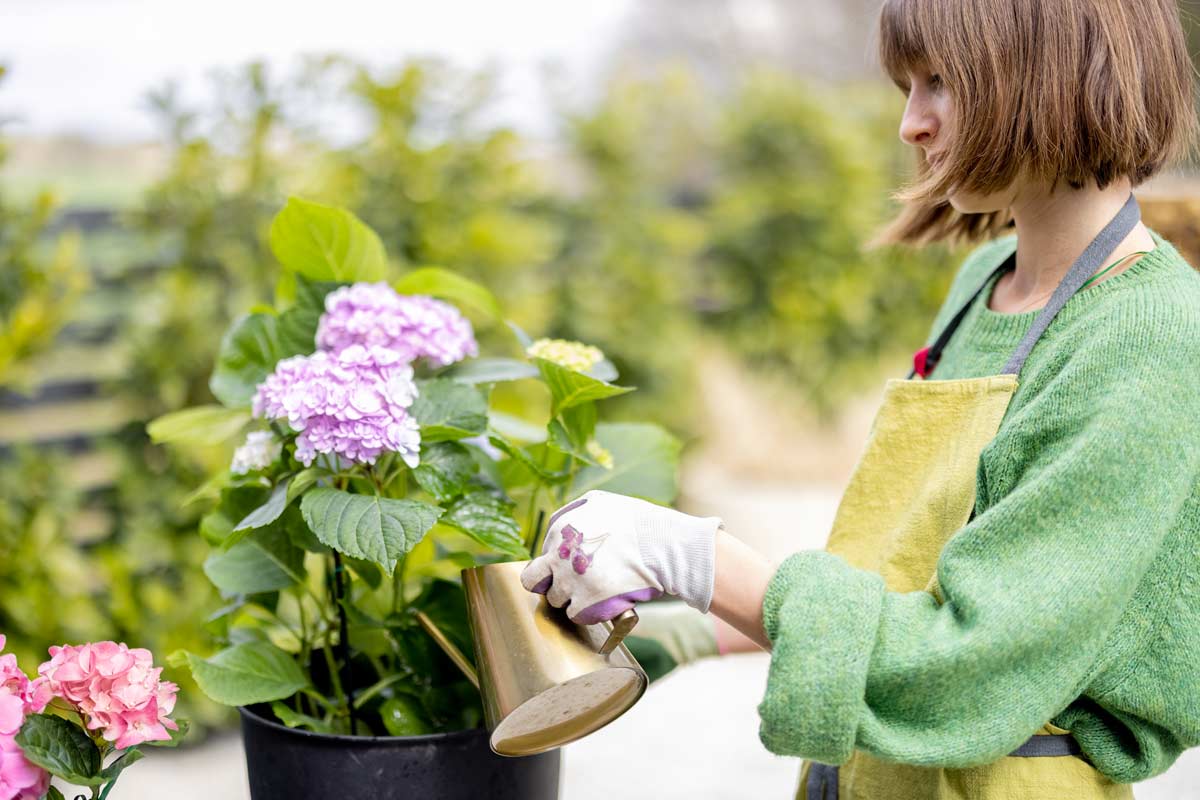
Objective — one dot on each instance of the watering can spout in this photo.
(545, 681)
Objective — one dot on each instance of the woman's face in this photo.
(928, 123)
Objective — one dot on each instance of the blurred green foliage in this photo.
(663, 216)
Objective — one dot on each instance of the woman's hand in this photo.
(605, 552)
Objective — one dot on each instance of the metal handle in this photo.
(448, 648)
(621, 626)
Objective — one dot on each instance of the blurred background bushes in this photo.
(663, 217)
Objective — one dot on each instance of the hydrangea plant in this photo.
(82, 719)
(371, 468)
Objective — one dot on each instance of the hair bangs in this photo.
(906, 34)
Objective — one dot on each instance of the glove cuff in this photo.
(681, 551)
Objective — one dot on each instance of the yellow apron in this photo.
(914, 488)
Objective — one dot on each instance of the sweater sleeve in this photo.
(1031, 588)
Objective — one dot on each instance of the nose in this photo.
(919, 125)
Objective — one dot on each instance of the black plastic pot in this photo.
(289, 764)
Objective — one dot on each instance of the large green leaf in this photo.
(251, 348)
(446, 409)
(488, 520)
(491, 370)
(449, 286)
(250, 672)
(326, 243)
(570, 388)
(445, 469)
(201, 425)
(62, 748)
(645, 463)
(264, 561)
(379, 529)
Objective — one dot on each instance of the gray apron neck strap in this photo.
(1088, 262)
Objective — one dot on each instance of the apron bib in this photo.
(914, 488)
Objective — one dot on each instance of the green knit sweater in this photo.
(1072, 596)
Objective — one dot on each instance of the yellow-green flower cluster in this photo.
(572, 355)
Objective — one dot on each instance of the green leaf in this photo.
(522, 456)
(445, 469)
(367, 570)
(570, 388)
(177, 737)
(251, 348)
(301, 482)
(250, 672)
(445, 603)
(236, 502)
(326, 243)
(268, 512)
(449, 286)
(264, 561)
(202, 425)
(293, 719)
(54, 794)
(113, 770)
(488, 520)
(402, 716)
(491, 370)
(299, 534)
(379, 529)
(60, 747)
(645, 463)
(571, 431)
(446, 409)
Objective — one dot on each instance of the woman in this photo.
(1009, 604)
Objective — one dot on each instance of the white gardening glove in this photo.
(605, 552)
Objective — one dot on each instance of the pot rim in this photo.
(424, 738)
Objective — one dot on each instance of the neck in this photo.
(1053, 229)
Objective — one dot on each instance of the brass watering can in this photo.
(545, 681)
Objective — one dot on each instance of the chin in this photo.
(972, 203)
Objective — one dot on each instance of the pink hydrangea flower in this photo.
(415, 326)
(113, 687)
(352, 403)
(20, 779)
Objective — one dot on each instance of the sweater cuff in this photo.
(821, 615)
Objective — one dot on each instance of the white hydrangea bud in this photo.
(259, 452)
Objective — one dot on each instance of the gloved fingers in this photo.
(613, 607)
(559, 594)
(537, 575)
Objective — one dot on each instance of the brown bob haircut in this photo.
(1070, 90)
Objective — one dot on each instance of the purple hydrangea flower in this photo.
(415, 326)
(353, 403)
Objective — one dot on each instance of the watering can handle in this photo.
(621, 626)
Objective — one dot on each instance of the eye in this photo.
(935, 82)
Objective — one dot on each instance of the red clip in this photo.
(920, 362)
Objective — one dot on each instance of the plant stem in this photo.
(339, 599)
